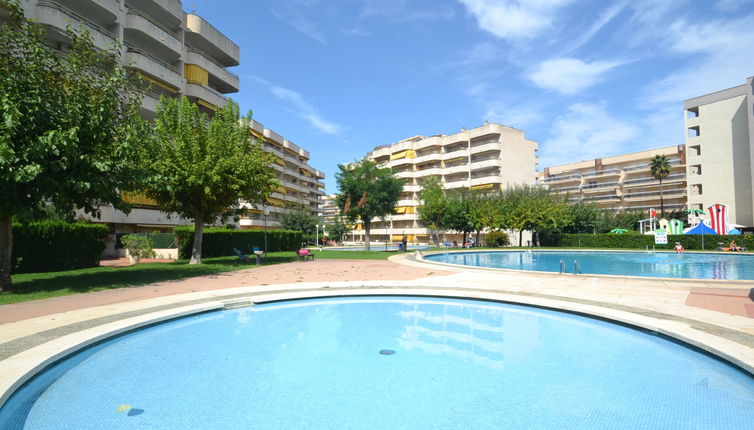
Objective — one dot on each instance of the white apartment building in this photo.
(621, 182)
(489, 157)
(300, 184)
(720, 142)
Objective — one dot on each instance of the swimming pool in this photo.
(732, 266)
(386, 363)
(374, 248)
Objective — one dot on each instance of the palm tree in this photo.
(660, 168)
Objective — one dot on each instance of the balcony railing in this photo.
(558, 178)
(655, 193)
(602, 173)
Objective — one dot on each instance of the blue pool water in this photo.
(374, 248)
(386, 363)
(660, 264)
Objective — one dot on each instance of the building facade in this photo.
(621, 182)
(720, 142)
(489, 157)
(300, 184)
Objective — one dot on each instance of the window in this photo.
(693, 131)
(696, 150)
(692, 112)
(696, 169)
(696, 189)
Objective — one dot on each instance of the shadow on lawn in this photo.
(102, 278)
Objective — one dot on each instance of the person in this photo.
(404, 241)
(734, 246)
(679, 248)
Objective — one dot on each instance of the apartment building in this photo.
(300, 184)
(621, 182)
(720, 142)
(489, 157)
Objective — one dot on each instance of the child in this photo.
(679, 248)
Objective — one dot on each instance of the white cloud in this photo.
(606, 16)
(514, 19)
(570, 75)
(586, 131)
(303, 108)
(718, 54)
(730, 5)
(403, 11)
(302, 24)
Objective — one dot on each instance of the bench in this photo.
(304, 254)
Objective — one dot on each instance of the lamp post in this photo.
(265, 212)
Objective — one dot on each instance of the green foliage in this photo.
(638, 241)
(337, 229)
(70, 130)
(300, 219)
(496, 239)
(659, 166)
(203, 166)
(138, 245)
(627, 219)
(49, 246)
(457, 214)
(434, 204)
(584, 216)
(366, 192)
(220, 242)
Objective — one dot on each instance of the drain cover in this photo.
(387, 352)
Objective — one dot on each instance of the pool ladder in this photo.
(576, 267)
(647, 251)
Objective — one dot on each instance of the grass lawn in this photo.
(35, 286)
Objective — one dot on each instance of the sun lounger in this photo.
(241, 256)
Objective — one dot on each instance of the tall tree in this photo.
(433, 205)
(366, 192)
(70, 129)
(457, 215)
(204, 166)
(300, 219)
(337, 229)
(533, 208)
(659, 166)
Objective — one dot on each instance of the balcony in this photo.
(412, 188)
(102, 12)
(407, 202)
(154, 67)
(220, 78)
(401, 162)
(608, 172)
(206, 94)
(562, 178)
(611, 197)
(566, 189)
(485, 164)
(487, 147)
(484, 180)
(203, 36)
(140, 31)
(643, 181)
(273, 136)
(666, 194)
(599, 187)
(149, 104)
(437, 156)
(167, 12)
(59, 18)
(462, 168)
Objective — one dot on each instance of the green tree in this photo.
(366, 192)
(533, 208)
(433, 205)
(203, 167)
(584, 218)
(70, 129)
(659, 166)
(457, 215)
(337, 229)
(485, 211)
(300, 219)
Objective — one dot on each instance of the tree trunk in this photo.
(196, 250)
(662, 203)
(367, 227)
(6, 249)
(521, 237)
(463, 244)
(476, 243)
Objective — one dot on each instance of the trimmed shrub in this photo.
(496, 239)
(50, 246)
(220, 242)
(637, 241)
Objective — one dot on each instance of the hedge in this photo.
(220, 242)
(638, 241)
(50, 246)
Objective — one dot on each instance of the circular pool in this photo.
(385, 363)
(732, 266)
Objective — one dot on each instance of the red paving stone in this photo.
(287, 273)
(734, 301)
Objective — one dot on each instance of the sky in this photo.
(584, 78)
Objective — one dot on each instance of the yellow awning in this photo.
(208, 105)
(160, 84)
(456, 159)
(483, 187)
(138, 199)
(306, 173)
(281, 190)
(254, 211)
(409, 153)
(279, 161)
(275, 202)
(427, 162)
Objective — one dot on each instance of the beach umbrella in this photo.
(618, 231)
(734, 231)
(693, 211)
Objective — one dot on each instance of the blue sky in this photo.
(584, 78)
